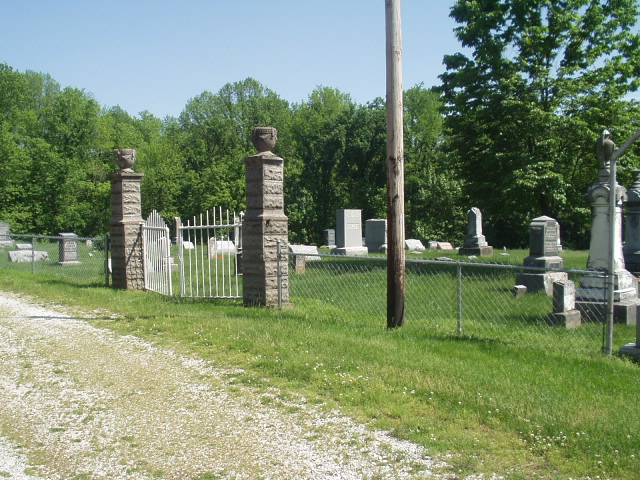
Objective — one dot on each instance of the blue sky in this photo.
(157, 54)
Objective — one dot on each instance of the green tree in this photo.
(523, 112)
(434, 205)
(320, 136)
(214, 135)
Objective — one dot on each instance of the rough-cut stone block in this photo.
(564, 296)
(625, 312)
(631, 350)
(20, 256)
(536, 282)
(519, 291)
(484, 251)
(570, 319)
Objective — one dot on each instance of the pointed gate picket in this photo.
(211, 255)
(157, 255)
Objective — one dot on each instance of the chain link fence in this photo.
(451, 298)
(81, 260)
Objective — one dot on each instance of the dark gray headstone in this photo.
(544, 234)
(544, 237)
(330, 237)
(375, 233)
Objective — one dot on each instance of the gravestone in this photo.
(303, 254)
(309, 252)
(474, 242)
(349, 233)
(519, 291)
(375, 234)
(592, 295)
(21, 256)
(631, 250)
(5, 239)
(330, 238)
(564, 305)
(413, 245)
(68, 249)
(188, 245)
(444, 246)
(24, 246)
(433, 245)
(222, 247)
(543, 252)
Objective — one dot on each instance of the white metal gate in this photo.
(157, 255)
(211, 255)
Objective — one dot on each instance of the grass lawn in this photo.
(519, 410)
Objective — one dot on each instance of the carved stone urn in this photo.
(125, 158)
(264, 139)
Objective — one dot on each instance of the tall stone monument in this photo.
(265, 225)
(631, 250)
(349, 233)
(592, 295)
(126, 224)
(475, 242)
(544, 234)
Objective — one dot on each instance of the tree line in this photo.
(510, 130)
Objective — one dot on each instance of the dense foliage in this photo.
(510, 130)
(523, 111)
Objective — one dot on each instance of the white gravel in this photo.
(82, 402)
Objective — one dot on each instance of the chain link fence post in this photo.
(279, 255)
(459, 272)
(107, 247)
(33, 255)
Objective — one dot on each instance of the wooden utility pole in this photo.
(395, 168)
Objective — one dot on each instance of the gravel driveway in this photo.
(78, 402)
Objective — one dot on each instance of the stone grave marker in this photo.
(309, 252)
(543, 252)
(349, 233)
(475, 242)
(68, 249)
(330, 238)
(20, 256)
(444, 246)
(413, 245)
(5, 239)
(375, 234)
(564, 305)
(222, 247)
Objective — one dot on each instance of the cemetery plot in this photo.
(445, 299)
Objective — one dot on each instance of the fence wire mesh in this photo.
(449, 298)
(81, 260)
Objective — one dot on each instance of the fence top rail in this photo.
(452, 262)
(52, 237)
(159, 229)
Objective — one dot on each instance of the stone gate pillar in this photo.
(126, 224)
(265, 224)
